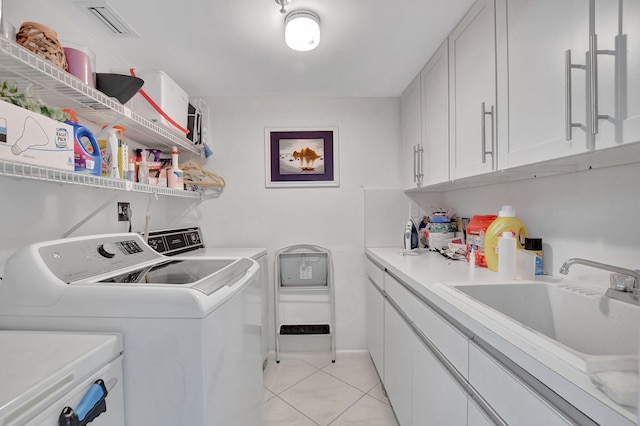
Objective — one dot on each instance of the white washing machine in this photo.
(191, 327)
(188, 242)
(52, 379)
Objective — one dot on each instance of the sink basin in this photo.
(597, 332)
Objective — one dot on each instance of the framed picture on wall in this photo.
(301, 157)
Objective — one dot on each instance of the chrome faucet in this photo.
(620, 288)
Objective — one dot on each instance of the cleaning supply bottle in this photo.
(86, 151)
(137, 161)
(507, 256)
(123, 152)
(112, 152)
(175, 176)
(476, 230)
(505, 222)
(143, 171)
(534, 245)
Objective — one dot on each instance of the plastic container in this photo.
(170, 97)
(143, 171)
(507, 259)
(505, 222)
(86, 152)
(81, 61)
(109, 153)
(175, 176)
(476, 230)
(534, 245)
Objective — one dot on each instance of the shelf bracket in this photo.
(90, 216)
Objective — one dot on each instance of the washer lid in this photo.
(204, 274)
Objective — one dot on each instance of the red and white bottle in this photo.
(175, 176)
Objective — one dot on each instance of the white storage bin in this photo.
(170, 97)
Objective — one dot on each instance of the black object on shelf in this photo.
(120, 86)
(305, 329)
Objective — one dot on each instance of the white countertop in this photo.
(430, 273)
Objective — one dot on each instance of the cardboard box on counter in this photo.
(31, 138)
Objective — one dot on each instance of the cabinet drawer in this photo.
(514, 401)
(375, 273)
(444, 336)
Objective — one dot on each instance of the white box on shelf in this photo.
(31, 138)
(170, 97)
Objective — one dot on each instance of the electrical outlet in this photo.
(124, 212)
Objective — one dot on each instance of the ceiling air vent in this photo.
(109, 17)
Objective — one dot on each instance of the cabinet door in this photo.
(398, 358)
(513, 400)
(437, 397)
(472, 70)
(375, 326)
(411, 133)
(534, 80)
(475, 416)
(435, 117)
(617, 29)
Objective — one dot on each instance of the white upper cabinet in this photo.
(616, 31)
(542, 52)
(435, 116)
(554, 87)
(472, 79)
(412, 135)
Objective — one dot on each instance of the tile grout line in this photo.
(288, 387)
(303, 414)
(318, 369)
(347, 409)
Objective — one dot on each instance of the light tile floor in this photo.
(314, 391)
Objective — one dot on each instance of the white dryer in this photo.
(191, 327)
(187, 242)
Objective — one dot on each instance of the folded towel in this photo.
(620, 386)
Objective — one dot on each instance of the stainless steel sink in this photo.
(601, 332)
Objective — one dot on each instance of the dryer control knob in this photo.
(107, 250)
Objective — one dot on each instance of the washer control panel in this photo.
(83, 258)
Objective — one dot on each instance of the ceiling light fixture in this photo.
(282, 4)
(302, 30)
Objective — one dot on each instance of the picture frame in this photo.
(301, 157)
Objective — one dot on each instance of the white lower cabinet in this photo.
(437, 398)
(475, 416)
(513, 400)
(375, 326)
(434, 374)
(398, 359)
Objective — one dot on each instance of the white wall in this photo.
(592, 214)
(248, 214)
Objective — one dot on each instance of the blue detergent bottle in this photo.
(86, 152)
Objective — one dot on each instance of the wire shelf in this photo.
(31, 172)
(58, 88)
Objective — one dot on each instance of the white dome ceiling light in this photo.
(302, 30)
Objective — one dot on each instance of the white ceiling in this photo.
(236, 47)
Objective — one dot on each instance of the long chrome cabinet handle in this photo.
(568, 95)
(593, 80)
(484, 113)
(420, 162)
(415, 165)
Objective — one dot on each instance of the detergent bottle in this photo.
(505, 222)
(86, 152)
